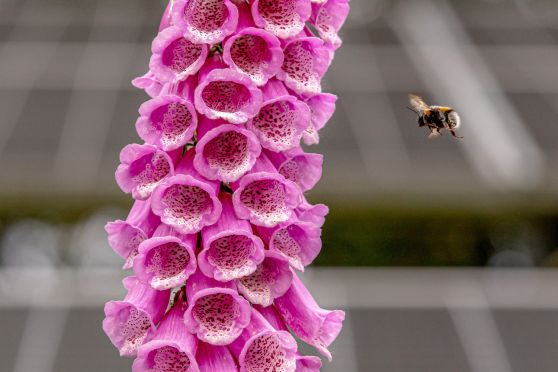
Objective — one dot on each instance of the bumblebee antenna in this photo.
(415, 111)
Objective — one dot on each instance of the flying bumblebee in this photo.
(435, 118)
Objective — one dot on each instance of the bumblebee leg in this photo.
(455, 134)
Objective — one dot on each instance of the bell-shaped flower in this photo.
(225, 152)
(167, 259)
(216, 313)
(213, 358)
(224, 93)
(282, 119)
(328, 17)
(142, 168)
(149, 84)
(167, 121)
(307, 320)
(304, 169)
(298, 241)
(305, 63)
(128, 322)
(284, 18)
(265, 197)
(254, 52)
(312, 213)
(171, 348)
(263, 348)
(304, 363)
(322, 107)
(124, 237)
(174, 57)
(230, 248)
(271, 279)
(186, 201)
(205, 21)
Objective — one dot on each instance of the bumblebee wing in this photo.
(417, 103)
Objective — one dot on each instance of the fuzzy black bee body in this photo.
(435, 118)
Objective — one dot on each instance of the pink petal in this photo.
(284, 18)
(271, 279)
(216, 313)
(312, 324)
(205, 21)
(230, 249)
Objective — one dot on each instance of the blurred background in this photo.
(439, 250)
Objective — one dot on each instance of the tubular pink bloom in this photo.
(262, 348)
(186, 201)
(142, 168)
(171, 349)
(254, 52)
(205, 21)
(282, 119)
(216, 313)
(225, 152)
(312, 213)
(303, 363)
(306, 61)
(230, 249)
(284, 18)
(226, 94)
(298, 241)
(175, 57)
(302, 168)
(322, 107)
(167, 121)
(213, 358)
(271, 280)
(264, 196)
(124, 237)
(167, 259)
(312, 324)
(128, 322)
(328, 17)
(149, 83)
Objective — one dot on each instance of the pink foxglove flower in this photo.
(171, 348)
(167, 121)
(230, 248)
(167, 259)
(304, 169)
(224, 93)
(220, 218)
(254, 52)
(128, 322)
(175, 57)
(271, 279)
(225, 152)
(284, 18)
(311, 323)
(328, 16)
(186, 201)
(216, 313)
(306, 61)
(282, 119)
(303, 363)
(298, 241)
(205, 21)
(142, 168)
(261, 347)
(124, 237)
(265, 197)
